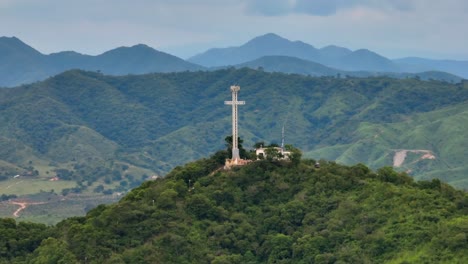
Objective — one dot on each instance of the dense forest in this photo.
(264, 212)
(100, 130)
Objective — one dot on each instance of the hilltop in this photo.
(106, 134)
(264, 212)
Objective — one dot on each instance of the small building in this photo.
(261, 152)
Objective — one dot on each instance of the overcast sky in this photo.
(393, 28)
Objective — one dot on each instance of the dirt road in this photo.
(22, 205)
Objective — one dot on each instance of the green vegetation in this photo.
(49, 207)
(264, 212)
(103, 134)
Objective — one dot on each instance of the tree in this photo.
(242, 152)
(272, 153)
(53, 251)
(296, 154)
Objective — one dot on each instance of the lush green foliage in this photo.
(19, 239)
(90, 127)
(267, 212)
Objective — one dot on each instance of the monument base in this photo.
(235, 162)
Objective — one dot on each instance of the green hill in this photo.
(96, 129)
(265, 212)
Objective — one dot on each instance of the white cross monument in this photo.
(235, 144)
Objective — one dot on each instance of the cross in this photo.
(235, 144)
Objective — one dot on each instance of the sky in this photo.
(436, 29)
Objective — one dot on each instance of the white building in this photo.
(260, 152)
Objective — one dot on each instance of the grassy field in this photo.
(49, 208)
(45, 202)
(23, 186)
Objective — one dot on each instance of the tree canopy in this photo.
(264, 212)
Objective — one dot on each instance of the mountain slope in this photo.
(288, 64)
(157, 121)
(379, 144)
(295, 65)
(413, 64)
(140, 59)
(274, 45)
(20, 64)
(268, 44)
(366, 60)
(261, 213)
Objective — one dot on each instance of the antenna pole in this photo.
(282, 138)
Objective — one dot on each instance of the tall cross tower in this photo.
(235, 144)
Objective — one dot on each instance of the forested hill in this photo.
(265, 212)
(87, 126)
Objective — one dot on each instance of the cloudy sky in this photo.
(393, 28)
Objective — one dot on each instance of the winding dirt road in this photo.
(23, 206)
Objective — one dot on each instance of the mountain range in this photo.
(330, 56)
(295, 65)
(21, 64)
(86, 126)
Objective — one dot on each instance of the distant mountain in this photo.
(334, 52)
(21, 64)
(140, 59)
(272, 44)
(364, 60)
(331, 56)
(289, 64)
(413, 64)
(295, 65)
(269, 44)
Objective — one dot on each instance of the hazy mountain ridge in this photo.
(331, 56)
(20, 64)
(415, 64)
(269, 44)
(157, 121)
(295, 65)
